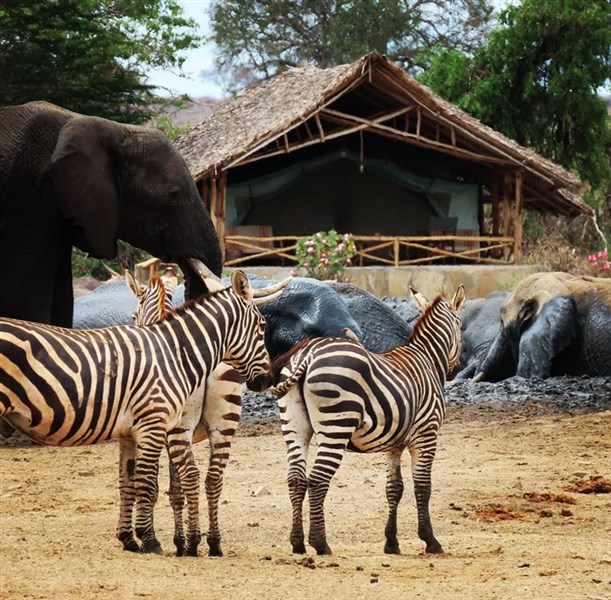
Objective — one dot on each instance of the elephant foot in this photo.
(128, 541)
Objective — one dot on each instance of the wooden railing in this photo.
(396, 251)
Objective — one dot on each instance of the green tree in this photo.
(90, 56)
(256, 39)
(537, 80)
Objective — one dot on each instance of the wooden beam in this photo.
(518, 220)
(221, 212)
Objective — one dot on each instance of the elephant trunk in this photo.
(501, 360)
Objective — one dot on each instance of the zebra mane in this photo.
(280, 361)
(183, 308)
(424, 317)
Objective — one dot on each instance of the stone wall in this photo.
(479, 280)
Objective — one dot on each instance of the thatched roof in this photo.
(263, 114)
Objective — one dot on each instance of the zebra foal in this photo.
(355, 400)
(68, 387)
(213, 412)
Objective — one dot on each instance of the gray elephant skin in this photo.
(553, 324)
(481, 322)
(68, 179)
(306, 308)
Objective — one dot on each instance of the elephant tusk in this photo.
(202, 270)
(271, 289)
(479, 376)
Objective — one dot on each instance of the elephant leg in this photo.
(394, 493)
(127, 494)
(422, 455)
(149, 439)
(297, 433)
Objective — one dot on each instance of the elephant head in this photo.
(69, 179)
(552, 324)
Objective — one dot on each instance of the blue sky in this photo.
(200, 59)
(196, 61)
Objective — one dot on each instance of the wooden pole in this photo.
(518, 222)
(507, 196)
(221, 212)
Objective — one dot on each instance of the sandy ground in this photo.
(502, 507)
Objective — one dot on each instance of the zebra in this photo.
(67, 387)
(214, 413)
(356, 400)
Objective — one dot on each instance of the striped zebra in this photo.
(67, 387)
(352, 399)
(216, 420)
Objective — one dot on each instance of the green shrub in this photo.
(325, 255)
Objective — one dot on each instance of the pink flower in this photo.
(606, 266)
(341, 246)
(602, 254)
(592, 258)
(310, 250)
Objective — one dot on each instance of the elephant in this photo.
(481, 322)
(306, 308)
(552, 324)
(72, 180)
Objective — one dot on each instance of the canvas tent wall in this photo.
(341, 191)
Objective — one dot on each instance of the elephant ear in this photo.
(82, 171)
(550, 333)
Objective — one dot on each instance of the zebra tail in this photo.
(284, 386)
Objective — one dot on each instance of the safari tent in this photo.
(365, 149)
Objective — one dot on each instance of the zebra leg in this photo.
(149, 443)
(177, 502)
(329, 454)
(220, 418)
(422, 462)
(394, 493)
(181, 456)
(127, 494)
(297, 433)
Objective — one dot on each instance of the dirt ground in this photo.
(504, 506)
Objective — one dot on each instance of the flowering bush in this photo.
(325, 255)
(600, 261)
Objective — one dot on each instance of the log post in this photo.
(518, 220)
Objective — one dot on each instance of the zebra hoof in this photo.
(324, 551)
(152, 547)
(299, 548)
(392, 549)
(129, 542)
(434, 548)
(214, 546)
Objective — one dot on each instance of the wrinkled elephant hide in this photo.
(553, 324)
(481, 322)
(306, 308)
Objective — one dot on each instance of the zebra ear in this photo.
(135, 286)
(169, 280)
(420, 300)
(241, 285)
(459, 298)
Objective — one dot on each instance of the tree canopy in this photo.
(255, 39)
(537, 79)
(90, 56)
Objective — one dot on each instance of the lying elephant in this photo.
(552, 324)
(306, 308)
(481, 322)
